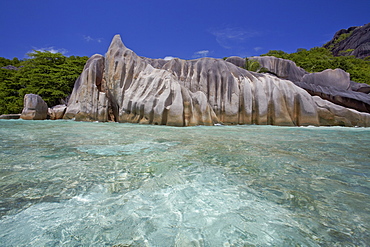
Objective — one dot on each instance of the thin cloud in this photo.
(202, 53)
(51, 49)
(88, 38)
(231, 36)
(258, 48)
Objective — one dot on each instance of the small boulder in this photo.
(34, 108)
(57, 112)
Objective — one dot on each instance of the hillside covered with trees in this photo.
(50, 75)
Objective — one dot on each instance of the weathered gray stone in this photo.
(331, 114)
(360, 87)
(238, 61)
(88, 102)
(283, 68)
(34, 108)
(347, 98)
(336, 78)
(57, 112)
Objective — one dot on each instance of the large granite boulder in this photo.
(34, 108)
(331, 114)
(336, 87)
(88, 101)
(124, 87)
(336, 78)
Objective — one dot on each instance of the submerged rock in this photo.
(124, 87)
(34, 108)
(10, 116)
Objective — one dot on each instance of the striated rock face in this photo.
(331, 114)
(34, 108)
(88, 101)
(335, 86)
(357, 40)
(124, 87)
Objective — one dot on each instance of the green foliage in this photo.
(50, 75)
(342, 37)
(318, 59)
(252, 65)
(346, 52)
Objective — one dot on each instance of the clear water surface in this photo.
(66, 183)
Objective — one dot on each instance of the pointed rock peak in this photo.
(116, 42)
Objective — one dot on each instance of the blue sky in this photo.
(179, 28)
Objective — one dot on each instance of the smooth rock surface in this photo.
(238, 61)
(283, 68)
(347, 98)
(336, 78)
(34, 108)
(331, 114)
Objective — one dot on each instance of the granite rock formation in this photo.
(357, 43)
(88, 101)
(124, 87)
(34, 108)
(282, 68)
(57, 112)
(333, 85)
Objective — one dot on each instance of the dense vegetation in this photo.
(50, 75)
(318, 59)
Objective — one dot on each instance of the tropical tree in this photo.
(50, 75)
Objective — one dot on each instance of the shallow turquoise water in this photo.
(66, 183)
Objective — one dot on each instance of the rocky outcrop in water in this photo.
(352, 41)
(124, 87)
(333, 85)
(34, 108)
